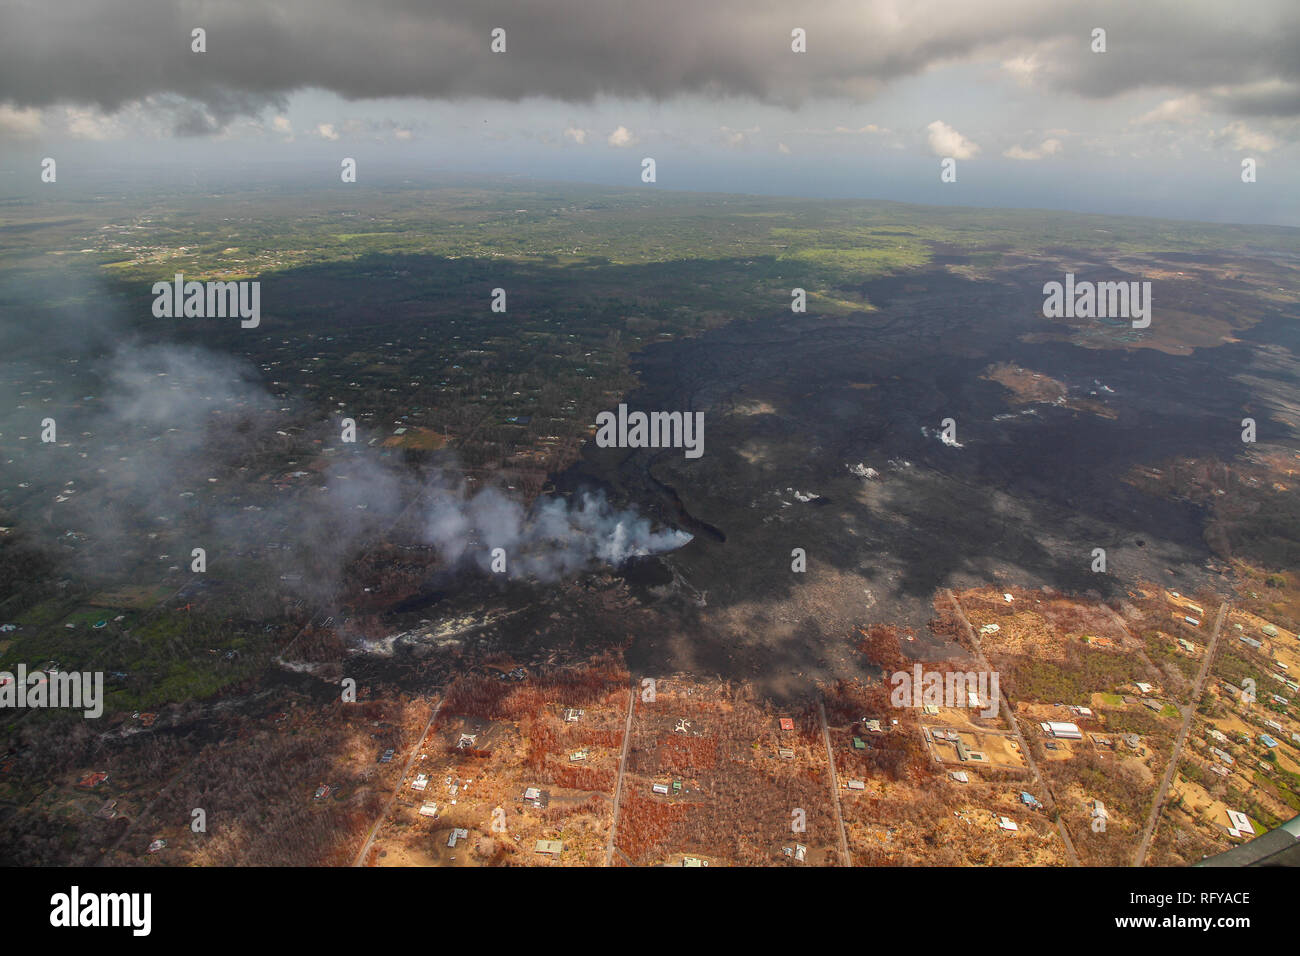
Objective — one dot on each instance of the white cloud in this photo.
(90, 124)
(1187, 122)
(327, 131)
(282, 126)
(1048, 147)
(783, 149)
(20, 124)
(1182, 109)
(1238, 136)
(577, 134)
(736, 138)
(946, 141)
(1023, 68)
(621, 137)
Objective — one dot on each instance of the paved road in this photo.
(1189, 711)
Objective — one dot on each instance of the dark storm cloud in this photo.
(1187, 46)
(1280, 100)
(211, 113)
(110, 52)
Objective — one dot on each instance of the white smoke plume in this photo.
(557, 539)
(168, 452)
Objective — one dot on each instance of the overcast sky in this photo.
(1158, 124)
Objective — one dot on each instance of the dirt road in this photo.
(1189, 711)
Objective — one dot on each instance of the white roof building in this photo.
(1239, 824)
(1061, 729)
